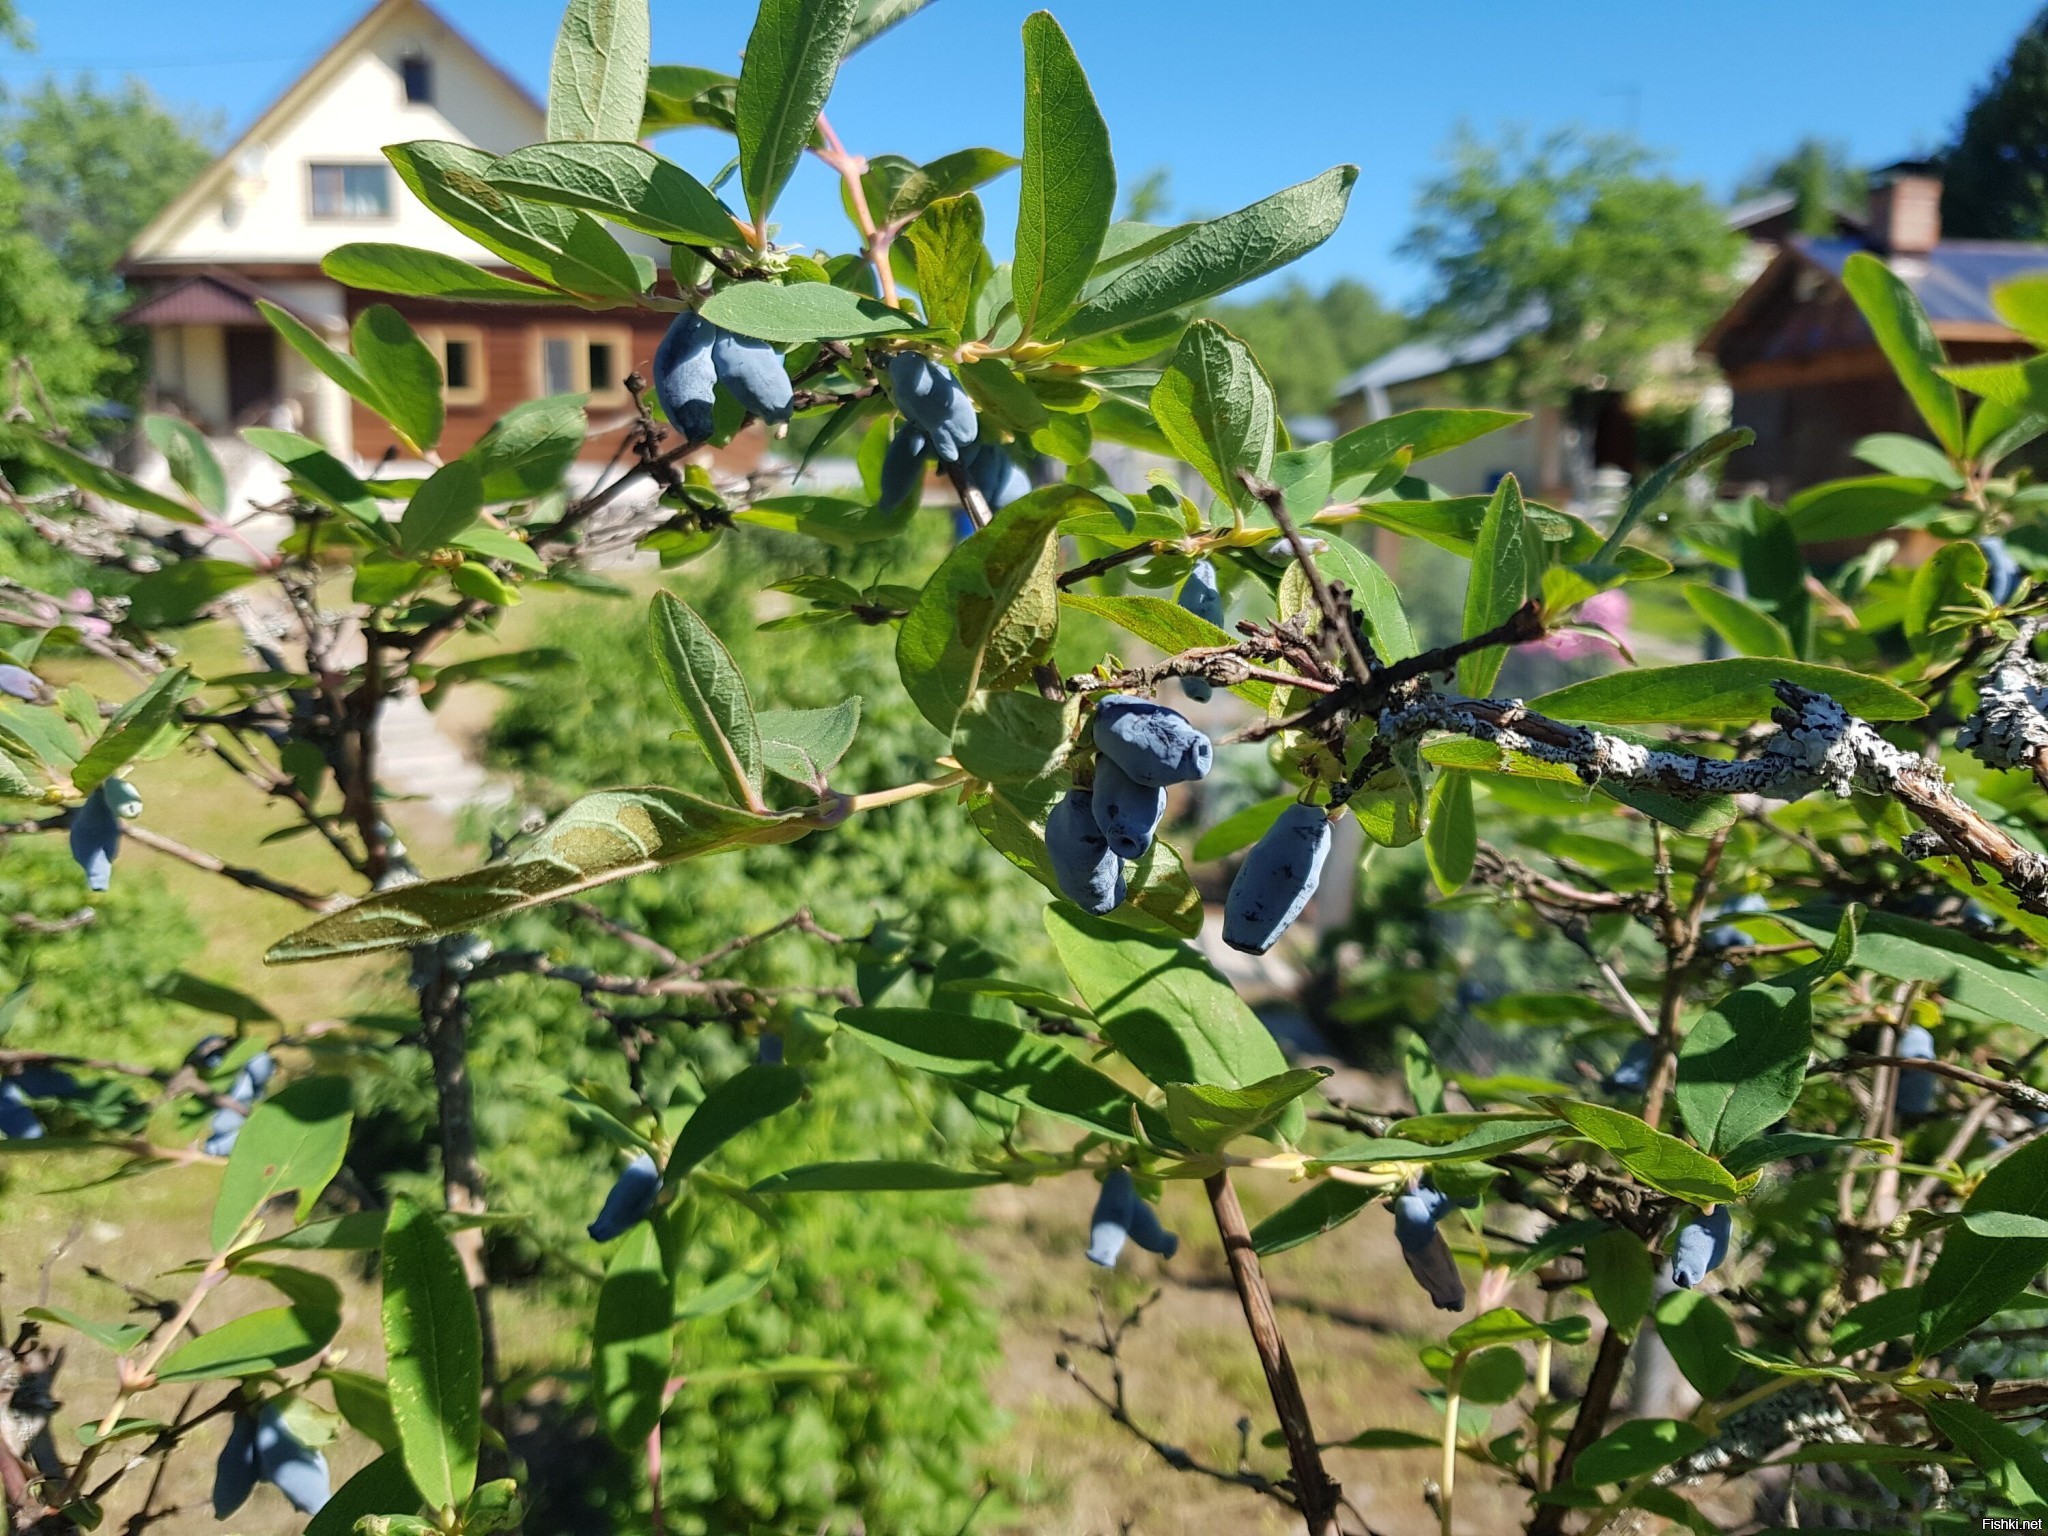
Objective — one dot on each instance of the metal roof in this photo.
(1430, 356)
(1953, 281)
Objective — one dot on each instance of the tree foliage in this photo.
(1820, 175)
(1995, 173)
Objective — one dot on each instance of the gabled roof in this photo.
(1430, 356)
(217, 297)
(295, 98)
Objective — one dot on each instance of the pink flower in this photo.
(1607, 610)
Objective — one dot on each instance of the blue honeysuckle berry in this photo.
(1277, 879)
(1147, 1232)
(768, 1050)
(20, 682)
(1153, 744)
(236, 1470)
(1700, 1248)
(1632, 1073)
(208, 1054)
(752, 371)
(17, 1121)
(122, 798)
(96, 839)
(1417, 1213)
(1126, 813)
(2002, 572)
(1914, 1095)
(254, 1077)
(294, 1470)
(996, 475)
(223, 1130)
(684, 379)
(928, 394)
(631, 1199)
(1122, 1214)
(903, 466)
(1087, 870)
(46, 1082)
(1200, 595)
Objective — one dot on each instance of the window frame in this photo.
(580, 337)
(388, 216)
(478, 389)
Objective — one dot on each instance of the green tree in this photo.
(44, 315)
(1995, 174)
(1309, 340)
(1819, 173)
(1581, 240)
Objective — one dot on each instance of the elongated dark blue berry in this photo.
(1914, 1095)
(1200, 595)
(17, 1121)
(752, 370)
(46, 1082)
(1152, 743)
(1148, 1234)
(96, 840)
(1632, 1073)
(237, 1469)
(1089, 873)
(254, 1077)
(224, 1130)
(903, 466)
(1417, 1213)
(684, 378)
(2002, 572)
(996, 475)
(208, 1054)
(1121, 1214)
(630, 1201)
(1126, 813)
(19, 681)
(1700, 1248)
(294, 1470)
(1276, 880)
(928, 394)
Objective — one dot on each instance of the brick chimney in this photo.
(1905, 209)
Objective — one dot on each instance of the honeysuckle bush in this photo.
(1800, 1150)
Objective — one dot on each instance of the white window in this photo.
(593, 362)
(464, 373)
(351, 191)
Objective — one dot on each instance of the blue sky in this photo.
(1234, 98)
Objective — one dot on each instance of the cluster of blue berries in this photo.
(1122, 1215)
(96, 830)
(1418, 1212)
(631, 1200)
(262, 1449)
(697, 356)
(1140, 749)
(18, 1122)
(1202, 597)
(246, 1089)
(939, 423)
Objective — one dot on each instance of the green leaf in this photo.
(625, 183)
(381, 1488)
(527, 449)
(1742, 1065)
(1451, 840)
(1908, 343)
(2011, 1462)
(256, 1342)
(1446, 1139)
(1328, 1204)
(1218, 254)
(877, 16)
(178, 592)
(1735, 690)
(1162, 623)
(730, 1288)
(1493, 1376)
(1860, 507)
(1164, 1007)
(1976, 1276)
(860, 1178)
(1888, 1315)
(952, 264)
(102, 481)
(1210, 1118)
(1504, 1325)
(709, 692)
(313, 347)
(118, 1338)
(404, 374)
(1374, 597)
(1361, 452)
(191, 461)
(598, 82)
(1067, 185)
(1217, 409)
(1240, 829)
(433, 1355)
(1621, 1276)
(1991, 982)
(989, 611)
(384, 268)
(831, 520)
(1654, 485)
(1741, 623)
(804, 745)
(134, 729)
(1003, 397)
(998, 1059)
(1696, 1330)
(789, 313)
(294, 1140)
(1662, 1162)
(792, 56)
(1497, 586)
(742, 1101)
(632, 1338)
(1162, 899)
(320, 477)
(1639, 1446)
(442, 509)
(2005, 1224)
(611, 835)
(687, 96)
(1947, 594)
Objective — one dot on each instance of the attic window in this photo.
(351, 191)
(417, 70)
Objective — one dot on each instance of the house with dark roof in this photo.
(1804, 369)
